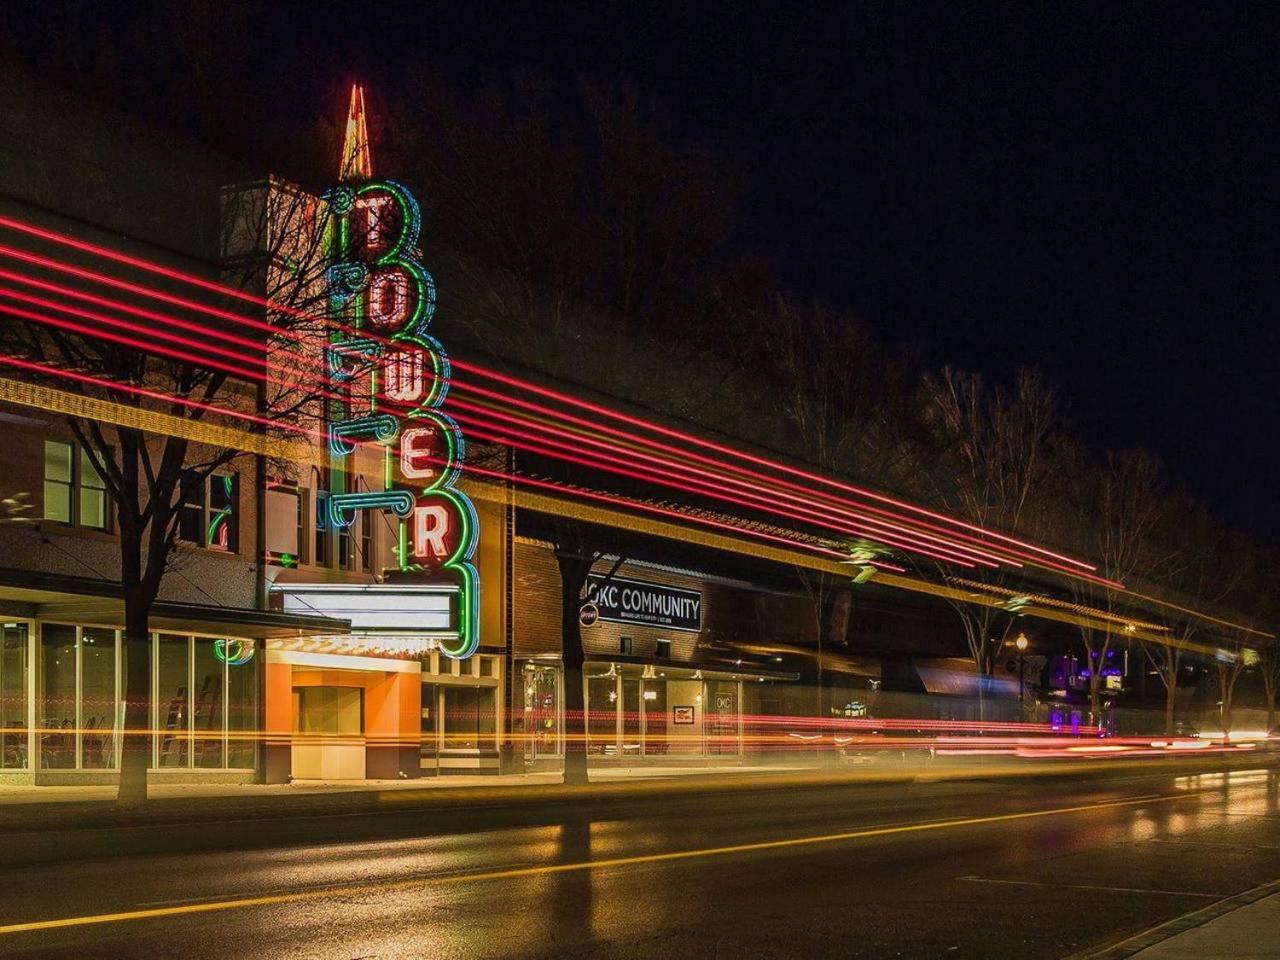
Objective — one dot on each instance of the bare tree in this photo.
(994, 454)
(1191, 543)
(275, 251)
(843, 401)
(1269, 664)
(1115, 509)
(1238, 648)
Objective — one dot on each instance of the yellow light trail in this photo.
(516, 873)
(53, 400)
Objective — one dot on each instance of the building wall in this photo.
(30, 543)
(728, 613)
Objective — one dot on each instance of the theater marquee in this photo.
(641, 603)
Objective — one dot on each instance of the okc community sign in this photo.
(620, 600)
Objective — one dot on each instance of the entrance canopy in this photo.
(91, 600)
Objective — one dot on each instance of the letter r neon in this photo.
(430, 527)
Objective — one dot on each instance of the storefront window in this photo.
(469, 717)
(242, 712)
(630, 716)
(173, 685)
(602, 716)
(58, 696)
(14, 671)
(97, 698)
(206, 709)
(654, 701)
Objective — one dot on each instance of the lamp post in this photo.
(1021, 644)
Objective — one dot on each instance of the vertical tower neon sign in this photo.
(394, 379)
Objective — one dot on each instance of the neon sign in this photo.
(392, 381)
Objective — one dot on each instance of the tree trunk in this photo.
(573, 575)
(135, 744)
(1170, 699)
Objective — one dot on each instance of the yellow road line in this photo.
(558, 868)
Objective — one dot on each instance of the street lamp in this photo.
(1021, 644)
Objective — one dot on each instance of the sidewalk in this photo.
(1243, 927)
(22, 795)
(1246, 933)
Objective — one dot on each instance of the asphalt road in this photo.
(993, 869)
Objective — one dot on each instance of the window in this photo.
(205, 709)
(344, 548)
(469, 717)
(223, 522)
(664, 648)
(74, 491)
(625, 646)
(58, 696)
(320, 556)
(80, 710)
(366, 541)
(330, 709)
(210, 514)
(58, 483)
(93, 495)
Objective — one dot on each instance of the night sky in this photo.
(1088, 189)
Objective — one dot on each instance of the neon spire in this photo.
(355, 163)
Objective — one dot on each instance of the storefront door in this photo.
(542, 713)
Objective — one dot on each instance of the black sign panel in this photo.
(645, 604)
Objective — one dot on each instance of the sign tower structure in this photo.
(389, 379)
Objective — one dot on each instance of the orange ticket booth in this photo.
(341, 717)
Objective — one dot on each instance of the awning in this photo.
(710, 669)
(90, 600)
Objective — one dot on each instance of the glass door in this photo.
(723, 718)
(542, 709)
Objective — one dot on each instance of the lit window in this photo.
(366, 541)
(320, 556)
(625, 646)
(93, 495)
(74, 491)
(209, 516)
(58, 482)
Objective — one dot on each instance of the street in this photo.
(1027, 868)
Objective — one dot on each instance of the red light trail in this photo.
(805, 503)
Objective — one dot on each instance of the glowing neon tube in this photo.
(484, 429)
(808, 509)
(125, 325)
(223, 290)
(777, 465)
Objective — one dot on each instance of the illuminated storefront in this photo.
(62, 707)
(663, 713)
(382, 701)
